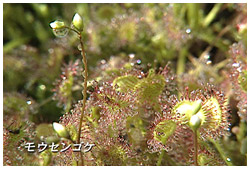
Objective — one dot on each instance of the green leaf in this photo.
(243, 148)
(45, 158)
(204, 160)
(52, 139)
(44, 130)
(72, 132)
(242, 80)
(150, 88)
(125, 83)
(163, 130)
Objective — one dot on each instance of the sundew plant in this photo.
(125, 84)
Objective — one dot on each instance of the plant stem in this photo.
(181, 61)
(181, 64)
(84, 91)
(160, 158)
(195, 148)
(193, 15)
(212, 14)
(221, 151)
(166, 157)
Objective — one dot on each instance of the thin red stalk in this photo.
(195, 148)
(84, 91)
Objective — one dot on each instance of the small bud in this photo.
(61, 130)
(242, 28)
(195, 122)
(77, 22)
(57, 25)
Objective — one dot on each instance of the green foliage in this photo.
(205, 160)
(136, 130)
(126, 83)
(242, 79)
(116, 156)
(163, 130)
(147, 89)
(72, 132)
(45, 158)
(150, 88)
(44, 130)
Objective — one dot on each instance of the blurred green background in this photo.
(153, 33)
